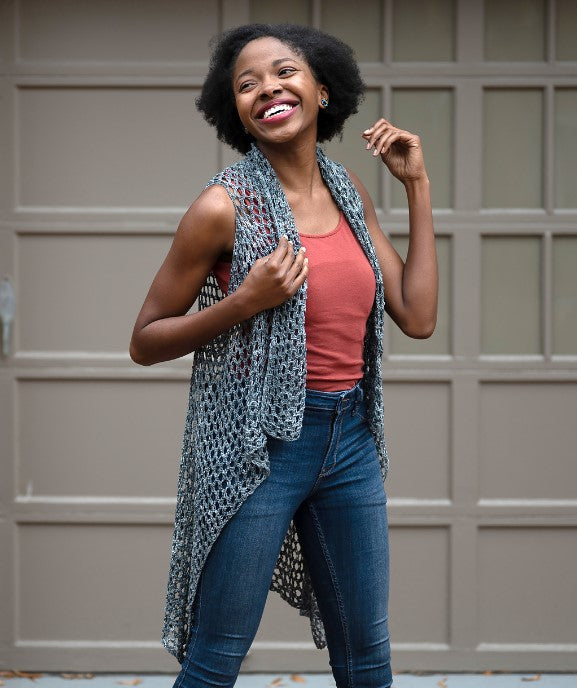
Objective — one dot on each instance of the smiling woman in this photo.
(281, 477)
(277, 98)
(330, 60)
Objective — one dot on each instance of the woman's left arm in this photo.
(410, 287)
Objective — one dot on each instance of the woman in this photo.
(281, 478)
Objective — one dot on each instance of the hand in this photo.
(272, 280)
(400, 150)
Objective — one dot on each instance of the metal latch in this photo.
(7, 310)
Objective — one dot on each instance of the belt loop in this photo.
(341, 402)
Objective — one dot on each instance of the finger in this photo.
(378, 134)
(378, 139)
(297, 265)
(383, 144)
(299, 280)
(281, 250)
(288, 259)
(391, 137)
(379, 125)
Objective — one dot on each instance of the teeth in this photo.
(276, 109)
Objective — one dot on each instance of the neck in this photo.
(295, 166)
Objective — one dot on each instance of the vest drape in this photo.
(249, 383)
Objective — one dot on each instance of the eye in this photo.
(287, 71)
(245, 86)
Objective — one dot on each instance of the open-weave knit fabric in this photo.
(249, 383)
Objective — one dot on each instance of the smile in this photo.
(277, 110)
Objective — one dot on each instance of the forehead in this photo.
(264, 51)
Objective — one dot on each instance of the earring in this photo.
(324, 103)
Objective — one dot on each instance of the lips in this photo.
(274, 108)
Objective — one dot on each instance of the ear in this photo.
(323, 94)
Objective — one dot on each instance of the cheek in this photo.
(241, 107)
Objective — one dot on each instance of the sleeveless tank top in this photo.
(340, 295)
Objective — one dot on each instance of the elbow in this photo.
(420, 329)
(138, 356)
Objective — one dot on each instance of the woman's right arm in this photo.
(164, 330)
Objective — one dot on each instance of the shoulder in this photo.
(213, 207)
(209, 223)
(360, 187)
(379, 240)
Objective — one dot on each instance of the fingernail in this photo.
(303, 248)
(284, 236)
(367, 131)
(306, 261)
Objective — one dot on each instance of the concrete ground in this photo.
(291, 681)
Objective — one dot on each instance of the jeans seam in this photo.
(322, 473)
(336, 433)
(337, 443)
(340, 606)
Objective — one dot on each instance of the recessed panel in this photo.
(528, 440)
(417, 424)
(92, 582)
(428, 113)
(431, 38)
(513, 148)
(527, 588)
(514, 31)
(112, 147)
(100, 437)
(566, 146)
(419, 599)
(83, 293)
(350, 150)
(294, 12)
(116, 30)
(511, 295)
(358, 24)
(440, 341)
(565, 295)
(565, 23)
(5, 32)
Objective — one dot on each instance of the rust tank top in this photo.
(340, 295)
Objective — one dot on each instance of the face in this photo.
(277, 96)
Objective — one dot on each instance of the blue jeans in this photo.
(329, 482)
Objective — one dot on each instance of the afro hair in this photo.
(331, 61)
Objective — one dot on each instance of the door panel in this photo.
(102, 151)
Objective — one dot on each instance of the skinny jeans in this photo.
(329, 482)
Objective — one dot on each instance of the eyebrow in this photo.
(275, 63)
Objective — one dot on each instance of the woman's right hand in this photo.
(272, 280)
(165, 329)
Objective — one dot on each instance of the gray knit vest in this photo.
(249, 383)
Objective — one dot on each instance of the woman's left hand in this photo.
(400, 150)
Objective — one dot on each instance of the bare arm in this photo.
(164, 330)
(410, 287)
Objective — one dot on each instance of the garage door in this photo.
(102, 151)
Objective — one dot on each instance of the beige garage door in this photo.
(101, 151)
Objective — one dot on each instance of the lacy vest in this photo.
(248, 383)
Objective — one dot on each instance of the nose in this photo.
(270, 87)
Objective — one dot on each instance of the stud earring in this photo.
(324, 103)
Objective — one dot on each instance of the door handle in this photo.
(7, 311)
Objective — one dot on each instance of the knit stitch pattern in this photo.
(249, 383)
